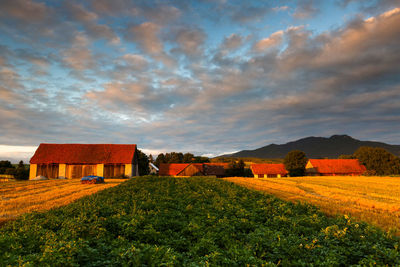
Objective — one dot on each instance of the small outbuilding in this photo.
(153, 168)
(79, 160)
(264, 170)
(333, 167)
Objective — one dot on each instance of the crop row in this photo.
(193, 221)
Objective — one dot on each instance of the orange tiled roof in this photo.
(264, 168)
(337, 166)
(84, 154)
(171, 168)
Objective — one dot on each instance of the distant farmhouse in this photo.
(264, 170)
(314, 167)
(78, 160)
(193, 169)
(332, 167)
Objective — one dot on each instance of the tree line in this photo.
(179, 157)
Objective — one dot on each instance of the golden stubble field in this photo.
(372, 199)
(19, 197)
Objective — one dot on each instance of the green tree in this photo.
(188, 157)
(4, 165)
(295, 163)
(10, 171)
(174, 157)
(200, 159)
(160, 159)
(378, 160)
(236, 168)
(346, 157)
(21, 173)
(178, 157)
(143, 162)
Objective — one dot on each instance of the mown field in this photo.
(191, 222)
(19, 197)
(372, 199)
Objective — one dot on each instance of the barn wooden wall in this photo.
(47, 170)
(190, 171)
(114, 170)
(78, 171)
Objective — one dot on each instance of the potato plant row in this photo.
(191, 222)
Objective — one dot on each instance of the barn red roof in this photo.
(264, 168)
(339, 166)
(171, 168)
(84, 154)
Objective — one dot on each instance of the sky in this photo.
(206, 77)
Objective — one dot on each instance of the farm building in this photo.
(78, 160)
(332, 167)
(264, 170)
(153, 168)
(191, 169)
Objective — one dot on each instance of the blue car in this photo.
(92, 179)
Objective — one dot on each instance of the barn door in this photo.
(48, 170)
(89, 170)
(54, 171)
(114, 170)
(75, 171)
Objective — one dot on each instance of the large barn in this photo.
(332, 167)
(192, 169)
(264, 170)
(78, 160)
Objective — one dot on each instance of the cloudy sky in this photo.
(206, 77)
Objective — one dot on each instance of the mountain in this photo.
(316, 147)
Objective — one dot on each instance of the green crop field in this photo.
(190, 222)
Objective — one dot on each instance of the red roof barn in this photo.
(264, 170)
(332, 167)
(78, 160)
(192, 169)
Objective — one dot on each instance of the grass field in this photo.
(372, 199)
(199, 221)
(19, 197)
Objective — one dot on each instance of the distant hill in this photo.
(315, 147)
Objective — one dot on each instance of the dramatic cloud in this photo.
(146, 35)
(232, 42)
(88, 19)
(372, 7)
(273, 40)
(249, 13)
(207, 77)
(306, 9)
(190, 40)
(25, 10)
(79, 56)
(160, 14)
